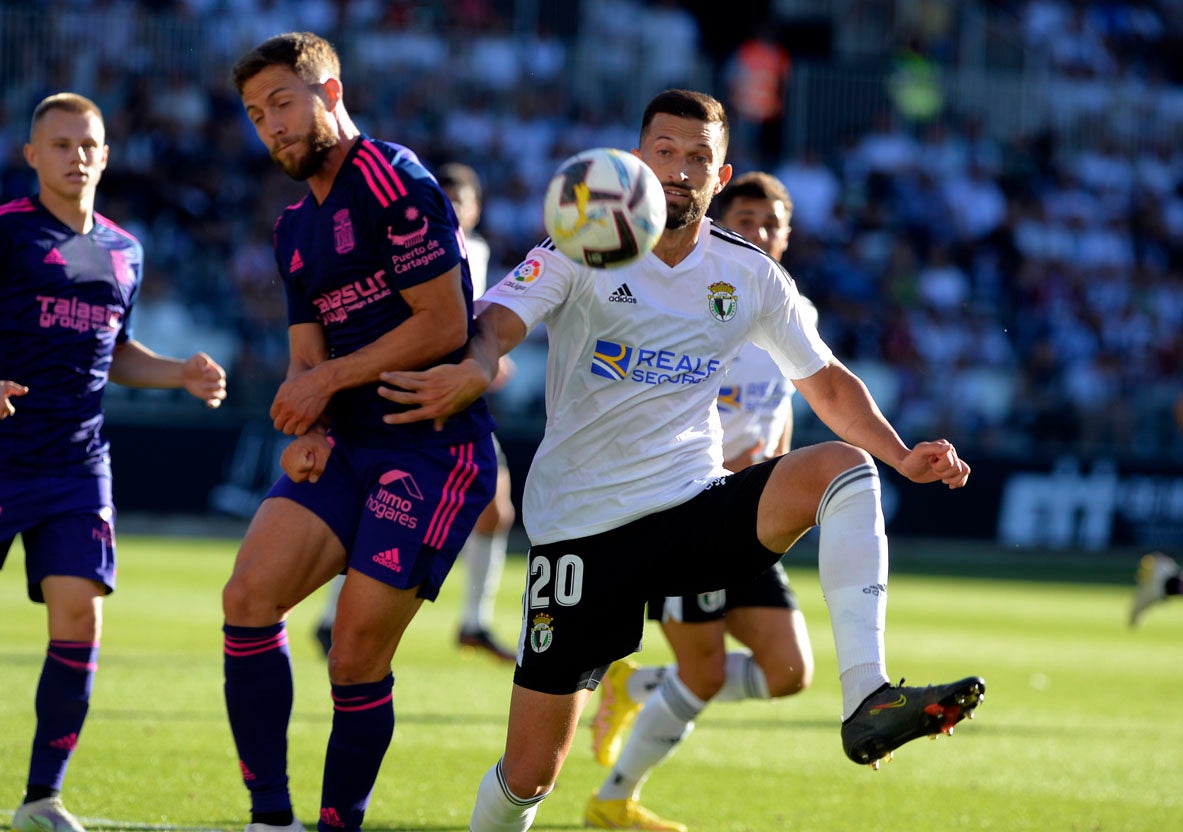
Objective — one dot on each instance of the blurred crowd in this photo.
(1020, 293)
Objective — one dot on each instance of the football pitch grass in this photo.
(1081, 729)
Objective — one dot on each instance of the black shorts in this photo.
(585, 598)
(768, 589)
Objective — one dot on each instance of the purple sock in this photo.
(258, 671)
(63, 698)
(363, 722)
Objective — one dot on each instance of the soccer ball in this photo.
(604, 208)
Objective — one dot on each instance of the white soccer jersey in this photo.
(635, 363)
(756, 399)
(478, 262)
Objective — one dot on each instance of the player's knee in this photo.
(248, 606)
(525, 781)
(840, 456)
(351, 663)
(706, 676)
(789, 676)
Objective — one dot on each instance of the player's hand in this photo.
(299, 403)
(306, 457)
(933, 461)
(8, 391)
(435, 393)
(204, 379)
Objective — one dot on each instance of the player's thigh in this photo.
(67, 527)
(584, 609)
(541, 729)
(74, 608)
(499, 513)
(287, 553)
(700, 651)
(371, 619)
(789, 502)
(779, 641)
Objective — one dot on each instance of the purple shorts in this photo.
(401, 514)
(67, 525)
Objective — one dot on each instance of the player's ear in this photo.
(332, 88)
(724, 177)
(31, 155)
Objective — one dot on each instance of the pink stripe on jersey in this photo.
(452, 499)
(22, 205)
(365, 171)
(382, 165)
(101, 220)
(254, 646)
(339, 704)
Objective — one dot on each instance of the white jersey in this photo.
(756, 399)
(478, 261)
(635, 363)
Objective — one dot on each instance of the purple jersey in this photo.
(385, 226)
(65, 303)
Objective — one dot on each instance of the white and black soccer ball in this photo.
(604, 208)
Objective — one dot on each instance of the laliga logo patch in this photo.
(541, 634)
(524, 275)
(722, 301)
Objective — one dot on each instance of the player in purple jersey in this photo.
(375, 273)
(68, 280)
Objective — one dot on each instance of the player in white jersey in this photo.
(755, 407)
(627, 496)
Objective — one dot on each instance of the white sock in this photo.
(497, 809)
(647, 679)
(852, 569)
(484, 555)
(329, 614)
(745, 679)
(666, 720)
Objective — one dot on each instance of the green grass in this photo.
(1080, 730)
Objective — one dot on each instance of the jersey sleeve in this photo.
(421, 239)
(134, 262)
(787, 329)
(301, 310)
(536, 287)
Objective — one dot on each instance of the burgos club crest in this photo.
(722, 301)
(541, 634)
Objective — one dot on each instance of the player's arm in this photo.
(443, 390)
(437, 327)
(843, 403)
(8, 391)
(134, 365)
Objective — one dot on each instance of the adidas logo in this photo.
(54, 258)
(329, 817)
(622, 295)
(297, 262)
(389, 559)
(66, 743)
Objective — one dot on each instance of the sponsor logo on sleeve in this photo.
(521, 278)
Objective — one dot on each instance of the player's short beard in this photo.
(320, 140)
(695, 210)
